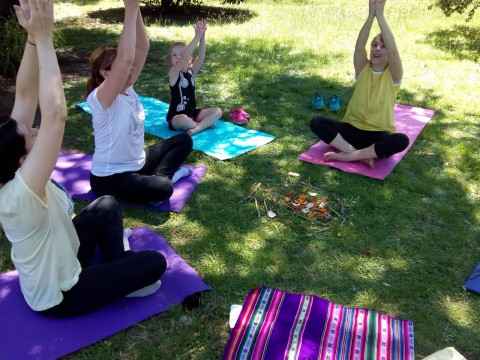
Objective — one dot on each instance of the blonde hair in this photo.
(175, 44)
(101, 59)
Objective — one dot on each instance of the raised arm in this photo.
(26, 87)
(360, 58)
(141, 48)
(394, 60)
(116, 77)
(202, 48)
(200, 28)
(38, 165)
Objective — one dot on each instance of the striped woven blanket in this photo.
(278, 325)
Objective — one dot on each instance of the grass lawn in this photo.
(407, 244)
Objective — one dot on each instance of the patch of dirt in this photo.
(7, 95)
(72, 65)
(76, 64)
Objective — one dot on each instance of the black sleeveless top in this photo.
(182, 99)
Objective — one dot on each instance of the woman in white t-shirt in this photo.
(51, 252)
(121, 166)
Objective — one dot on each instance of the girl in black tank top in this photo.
(183, 113)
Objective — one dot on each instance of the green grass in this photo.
(408, 243)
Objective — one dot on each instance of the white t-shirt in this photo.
(119, 134)
(44, 241)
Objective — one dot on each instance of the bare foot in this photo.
(193, 130)
(340, 156)
(369, 162)
(346, 157)
(212, 126)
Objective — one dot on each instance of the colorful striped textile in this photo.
(278, 325)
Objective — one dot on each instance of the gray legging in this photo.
(385, 143)
(119, 273)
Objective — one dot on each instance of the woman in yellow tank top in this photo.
(367, 131)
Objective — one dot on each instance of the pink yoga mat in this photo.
(408, 120)
(72, 171)
(28, 335)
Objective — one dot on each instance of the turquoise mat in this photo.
(223, 142)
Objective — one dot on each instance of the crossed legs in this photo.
(205, 119)
(120, 272)
(356, 144)
(154, 181)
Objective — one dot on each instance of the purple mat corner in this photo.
(73, 172)
(408, 120)
(28, 335)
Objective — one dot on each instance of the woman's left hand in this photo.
(25, 8)
(37, 18)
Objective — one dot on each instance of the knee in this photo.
(155, 261)
(108, 202)
(180, 118)
(394, 144)
(323, 128)
(316, 123)
(181, 121)
(187, 140)
(168, 189)
(218, 112)
(401, 141)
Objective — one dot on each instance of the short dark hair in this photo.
(12, 148)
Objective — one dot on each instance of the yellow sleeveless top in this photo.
(373, 99)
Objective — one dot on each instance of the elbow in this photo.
(62, 115)
(55, 119)
(142, 51)
(393, 54)
(126, 59)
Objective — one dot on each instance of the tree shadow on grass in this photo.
(420, 253)
(83, 41)
(179, 16)
(415, 250)
(462, 41)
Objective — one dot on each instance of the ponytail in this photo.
(101, 59)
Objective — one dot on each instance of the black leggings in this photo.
(120, 272)
(385, 143)
(153, 182)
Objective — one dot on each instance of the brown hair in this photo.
(376, 37)
(12, 148)
(100, 59)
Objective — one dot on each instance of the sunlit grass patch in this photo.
(408, 243)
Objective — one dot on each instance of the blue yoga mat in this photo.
(223, 142)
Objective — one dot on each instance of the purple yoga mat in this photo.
(28, 335)
(408, 120)
(73, 172)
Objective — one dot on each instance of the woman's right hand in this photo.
(36, 16)
(200, 27)
(379, 6)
